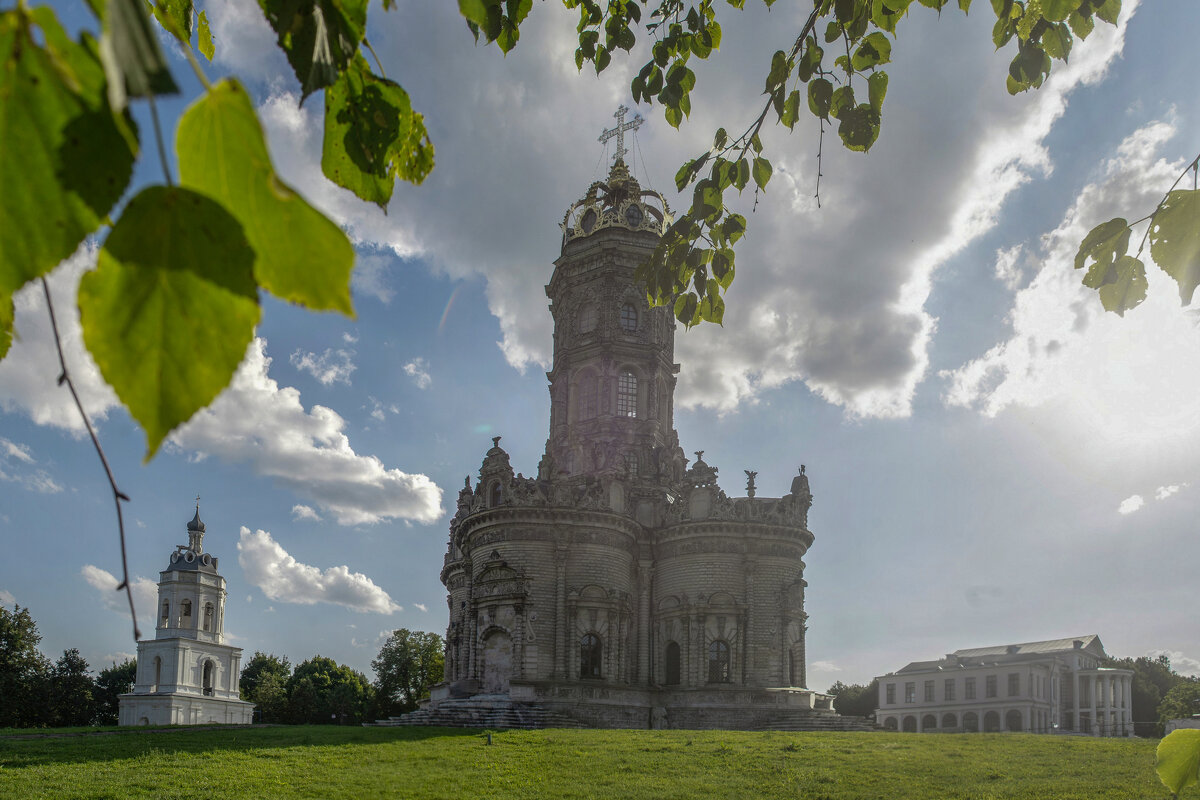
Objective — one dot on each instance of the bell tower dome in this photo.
(613, 377)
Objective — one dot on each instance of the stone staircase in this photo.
(816, 722)
(481, 712)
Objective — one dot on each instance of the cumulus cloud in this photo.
(825, 666)
(305, 512)
(17, 465)
(332, 366)
(281, 577)
(256, 421)
(418, 370)
(145, 592)
(1131, 504)
(1184, 665)
(7, 598)
(370, 277)
(1163, 492)
(421, 607)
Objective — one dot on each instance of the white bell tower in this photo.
(186, 674)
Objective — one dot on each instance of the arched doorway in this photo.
(497, 662)
(671, 677)
(971, 722)
(591, 656)
(910, 724)
(890, 724)
(1012, 721)
(949, 722)
(991, 722)
(929, 723)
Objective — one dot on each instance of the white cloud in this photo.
(305, 512)
(281, 577)
(109, 659)
(421, 607)
(7, 598)
(374, 644)
(349, 338)
(825, 666)
(1184, 665)
(379, 410)
(1163, 492)
(332, 366)
(418, 370)
(370, 277)
(24, 472)
(145, 594)
(1131, 504)
(256, 421)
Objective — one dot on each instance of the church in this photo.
(187, 674)
(620, 586)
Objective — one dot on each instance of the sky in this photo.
(994, 459)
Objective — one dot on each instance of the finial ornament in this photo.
(750, 476)
(699, 455)
(496, 441)
(619, 132)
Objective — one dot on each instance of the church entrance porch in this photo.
(497, 662)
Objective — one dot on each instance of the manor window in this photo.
(969, 692)
(910, 692)
(891, 695)
(1014, 684)
(949, 690)
(991, 686)
(718, 662)
(928, 691)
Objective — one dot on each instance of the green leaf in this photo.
(1081, 25)
(133, 61)
(176, 18)
(1059, 10)
(205, 39)
(300, 255)
(1056, 41)
(320, 37)
(7, 313)
(843, 99)
(1109, 10)
(875, 49)
(820, 95)
(743, 174)
(65, 159)
(779, 71)
(859, 127)
(791, 109)
(686, 308)
(761, 172)
(171, 306)
(1128, 290)
(877, 86)
(1178, 759)
(1175, 240)
(1104, 245)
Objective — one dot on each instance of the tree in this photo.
(72, 690)
(408, 664)
(855, 699)
(321, 691)
(24, 671)
(1182, 702)
(111, 683)
(1153, 678)
(259, 667)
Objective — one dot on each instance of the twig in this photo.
(1192, 167)
(378, 63)
(118, 495)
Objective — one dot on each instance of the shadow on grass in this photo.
(131, 743)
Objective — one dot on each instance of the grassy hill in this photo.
(362, 763)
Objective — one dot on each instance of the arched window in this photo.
(208, 678)
(890, 724)
(157, 672)
(672, 664)
(629, 318)
(991, 722)
(208, 616)
(718, 661)
(1013, 721)
(185, 608)
(587, 318)
(910, 725)
(631, 463)
(949, 722)
(591, 652)
(495, 495)
(627, 395)
(971, 722)
(929, 722)
(166, 615)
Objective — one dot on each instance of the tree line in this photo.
(36, 692)
(1158, 694)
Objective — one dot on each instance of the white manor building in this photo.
(186, 674)
(1037, 687)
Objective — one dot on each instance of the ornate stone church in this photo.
(621, 586)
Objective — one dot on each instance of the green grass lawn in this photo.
(361, 763)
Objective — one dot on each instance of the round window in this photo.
(589, 220)
(634, 215)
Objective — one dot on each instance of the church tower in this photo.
(187, 675)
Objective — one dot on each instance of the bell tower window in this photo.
(631, 463)
(629, 318)
(587, 319)
(627, 395)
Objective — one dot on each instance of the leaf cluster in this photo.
(833, 68)
(172, 306)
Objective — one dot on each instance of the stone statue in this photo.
(800, 488)
(750, 476)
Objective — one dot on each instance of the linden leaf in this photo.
(1128, 290)
(133, 61)
(320, 37)
(7, 312)
(205, 37)
(1175, 240)
(300, 255)
(171, 306)
(1178, 759)
(176, 18)
(372, 135)
(1104, 245)
(64, 158)
(761, 172)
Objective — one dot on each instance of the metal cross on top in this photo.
(619, 131)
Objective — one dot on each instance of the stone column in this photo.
(1092, 700)
(560, 612)
(643, 639)
(1076, 703)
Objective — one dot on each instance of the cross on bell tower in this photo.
(619, 132)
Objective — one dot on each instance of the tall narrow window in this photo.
(969, 688)
(718, 662)
(1014, 684)
(928, 691)
(157, 672)
(629, 317)
(497, 494)
(208, 678)
(166, 615)
(208, 616)
(627, 395)
(990, 686)
(672, 664)
(949, 693)
(910, 692)
(591, 653)
(891, 694)
(185, 608)
(631, 463)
